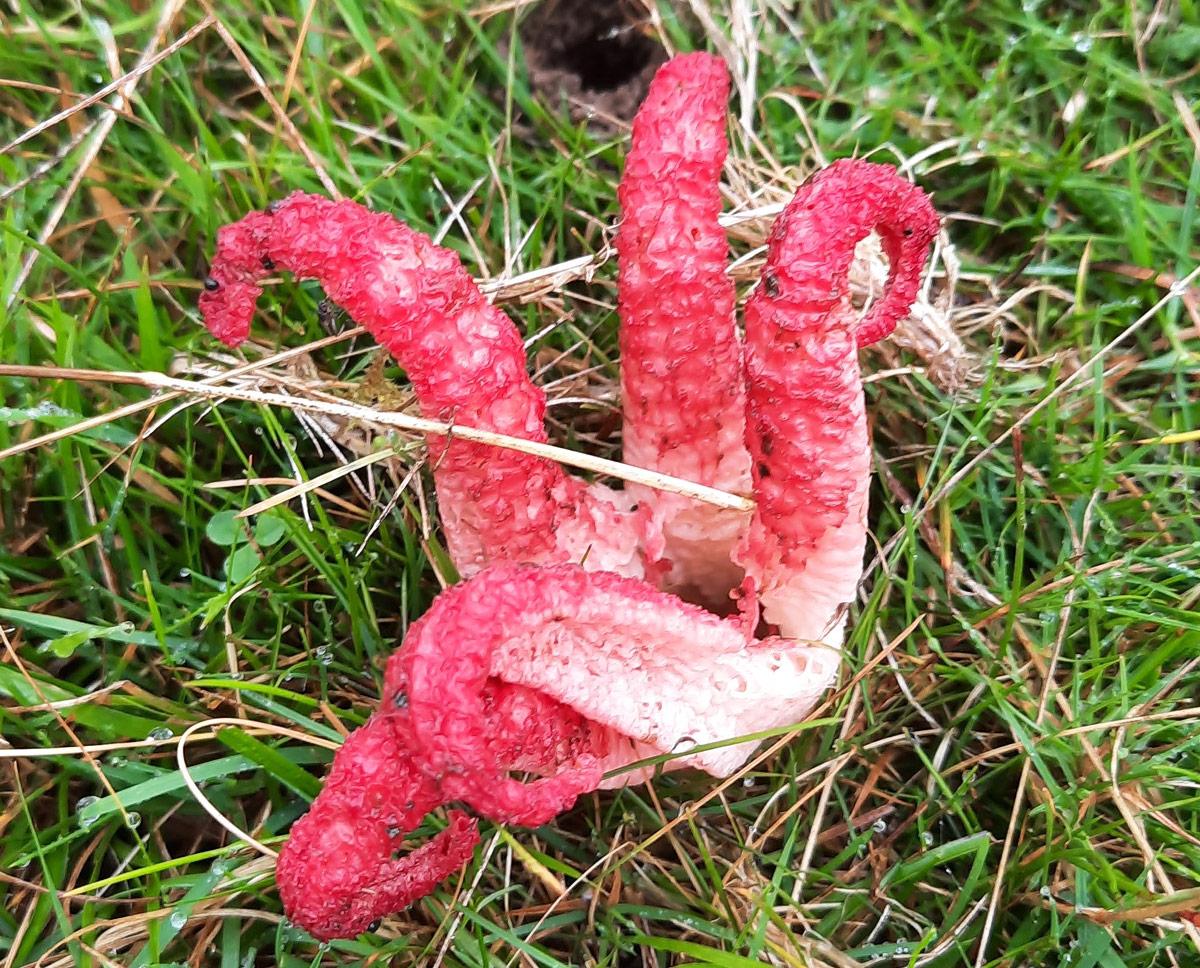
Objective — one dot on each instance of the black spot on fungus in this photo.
(375, 925)
(400, 700)
(211, 284)
(763, 470)
(268, 263)
(771, 285)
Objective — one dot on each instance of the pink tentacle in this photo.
(682, 385)
(338, 871)
(466, 362)
(635, 672)
(807, 429)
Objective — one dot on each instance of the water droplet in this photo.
(903, 949)
(133, 820)
(927, 839)
(258, 431)
(86, 820)
(118, 760)
(222, 866)
(323, 655)
(748, 782)
(1045, 891)
(178, 919)
(879, 826)
(1083, 43)
(185, 573)
(161, 733)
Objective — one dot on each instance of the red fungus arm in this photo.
(807, 428)
(338, 871)
(681, 363)
(646, 672)
(466, 362)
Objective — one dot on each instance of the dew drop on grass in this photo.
(879, 826)
(927, 839)
(185, 573)
(1083, 43)
(323, 655)
(86, 820)
(178, 919)
(161, 733)
(1045, 891)
(133, 820)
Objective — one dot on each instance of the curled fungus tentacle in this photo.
(466, 362)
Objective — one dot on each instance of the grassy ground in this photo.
(1010, 774)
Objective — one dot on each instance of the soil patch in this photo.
(596, 57)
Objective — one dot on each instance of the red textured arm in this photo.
(338, 871)
(464, 357)
(555, 671)
(682, 385)
(807, 429)
(643, 672)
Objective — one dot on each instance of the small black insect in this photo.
(327, 315)
(400, 700)
(771, 285)
(268, 263)
(211, 284)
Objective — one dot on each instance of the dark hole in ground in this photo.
(607, 59)
(596, 55)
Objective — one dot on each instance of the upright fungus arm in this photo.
(682, 385)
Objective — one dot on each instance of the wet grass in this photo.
(1010, 774)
